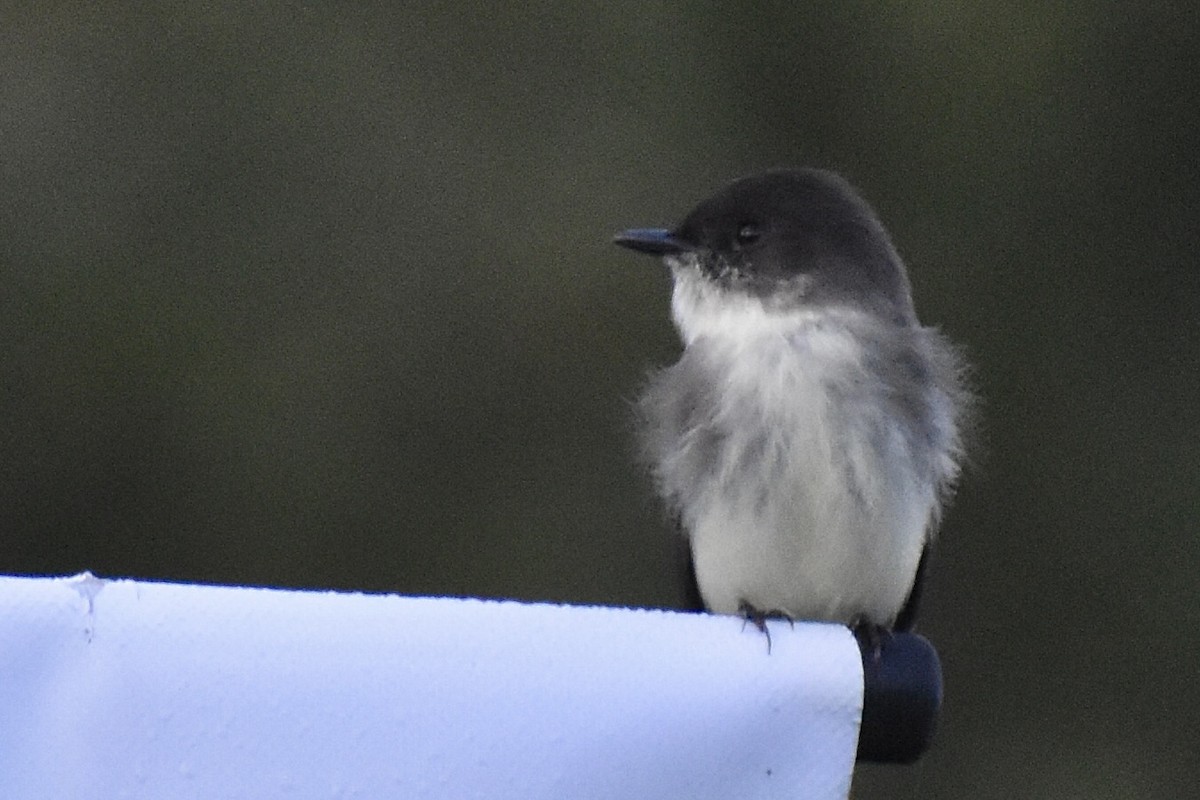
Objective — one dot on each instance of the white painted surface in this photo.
(150, 690)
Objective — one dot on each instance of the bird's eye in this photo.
(748, 233)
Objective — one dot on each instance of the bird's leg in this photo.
(871, 637)
(758, 618)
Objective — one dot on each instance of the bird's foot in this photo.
(871, 637)
(758, 618)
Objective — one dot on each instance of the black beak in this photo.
(655, 241)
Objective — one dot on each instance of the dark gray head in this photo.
(792, 237)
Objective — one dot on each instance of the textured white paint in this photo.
(150, 690)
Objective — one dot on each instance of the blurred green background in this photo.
(325, 298)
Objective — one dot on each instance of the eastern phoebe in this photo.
(811, 431)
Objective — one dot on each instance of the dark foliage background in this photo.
(324, 297)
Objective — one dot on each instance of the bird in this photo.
(812, 430)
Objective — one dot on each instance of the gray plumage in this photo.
(810, 432)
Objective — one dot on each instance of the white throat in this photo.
(702, 310)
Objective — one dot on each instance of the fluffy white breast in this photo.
(809, 501)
